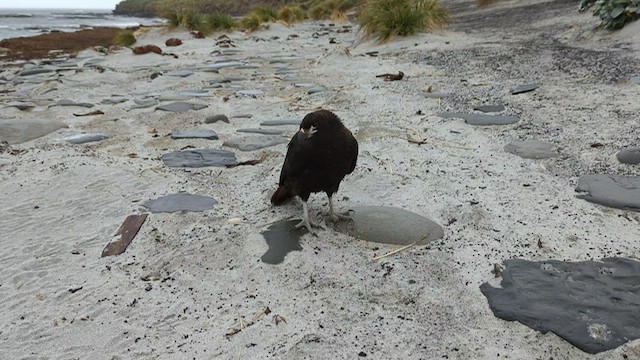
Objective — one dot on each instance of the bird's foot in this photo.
(334, 217)
(308, 224)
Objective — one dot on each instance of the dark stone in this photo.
(262, 131)
(519, 89)
(254, 142)
(281, 122)
(629, 156)
(199, 158)
(173, 42)
(145, 49)
(614, 191)
(489, 108)
(282, 238)
(180, 107)
(37, 71)
(86, 138)
(180, 202)
(315, 90)
(593, 305)
(532, 149)
(481, 119)
(194, 134)
(215, 118)
(114, 100)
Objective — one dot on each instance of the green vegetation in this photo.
(258, 16)
(218, 21)
(290, 14)
(389, 18)
(614, 14)
(125, 38)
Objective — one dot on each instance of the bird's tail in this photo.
(281, 195)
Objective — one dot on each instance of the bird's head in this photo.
(308, 132)
(322, 122)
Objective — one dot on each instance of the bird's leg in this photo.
(333, 215)
(305, 218)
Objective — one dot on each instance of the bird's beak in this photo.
(307, 133)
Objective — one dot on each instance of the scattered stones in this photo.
(489, 108)
(145, 49)
(281, 122)
(389, 225)
(86, 138)
(629, 156)
(481, 119)
(254, 142)
(21, 130)
(262, 131)
(181, 107)
(532, 149)
(282, 238)
(215, 118)
(614, 191)
(519, 89)
(179, 203)
(591, 304)
(195, 134)
(173, 42)
(199, 158)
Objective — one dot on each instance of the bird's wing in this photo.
(354, 153)
(295, 161)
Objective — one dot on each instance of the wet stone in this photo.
(262, 131)
(199, 158)
(181, 107)
(519, 89)
(629, 156)
(281, 122)
(489, 108)
(532, 149)
(282, 238)
(21, 130)
(591, 304)
(86, 138)
(389, 225)
(252, 143)
(180, 203)
(215, 118)
(194, 134)
(481, 119)
(620, 192)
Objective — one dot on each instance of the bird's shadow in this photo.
(282, 238)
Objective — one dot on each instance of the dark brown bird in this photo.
(318, 157)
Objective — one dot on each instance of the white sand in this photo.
(60, 204)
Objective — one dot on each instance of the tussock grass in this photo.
(258, 16)
(218, 21)
(125, 38)
(291, 14)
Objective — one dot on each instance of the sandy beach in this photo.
(193, 285)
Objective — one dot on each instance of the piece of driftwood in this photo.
(392, 77)
(127, 231)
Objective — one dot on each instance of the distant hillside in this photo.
(156, 8)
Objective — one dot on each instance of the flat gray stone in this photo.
(173, 97)
(194, 134)
(629, 156)
(481, 119)
(195, 93)
(36, 71)
(180, 107)
(282, 238)
(591, 304)
(180, 73)
(519, 89)
(22, 105)
(179, 203)
(21, 130)
(141, 104)
(215, 118)
(281, 122)
(67, 102)
(305, 85)
(252, 143)
(86, 138)
(250, 92)
(489, 108)
(262, 131)
(614, 191)
(635, 79)
(199, 158)
(315, 90)
(114, 100)
(532, 149)
(220, 65)
(389, 225)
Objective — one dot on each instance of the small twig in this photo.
(265, 311)
(394, 251)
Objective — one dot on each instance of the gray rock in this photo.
(629, 156)
(519, 89)
(250, 92)
(489, 108)
(220, 65)
(389, 225)
(481, 119)
(141, 104)
(281, 122)
(36, 71)
(635, 79)
(180, 73)
(254, 142)
(22, 106)
(315, 90)
(532, 149)
(86, 138)
(173, 97)
(593, 305)
(67, 102)
(215, 118)
(226, 80)
(242, 116)
(21, 130)
(195, 93)
(194, 134)
(114, 100)
(180, 107)
(282, 238)
(614, 191)
(305, 85)
(199, 158)
(179, 203)
(262, 131)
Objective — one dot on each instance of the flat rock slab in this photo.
(36, 71)
(220, 65)
(316, 90)
(250, 92)
(481, 119)
(262, 131)
(67, 102)
(591, 304)
(180, 73)
(281, 122)
(114, 100)
(489, 108)
(614, 191)
(389, 225)
(194, 134)
(282, 238)
(181, 107)
(253, 143)
(21, 130)
(199, 158)
(519, 89)
(86, 138)
(629, 156)
(532, 149)
(215, 118)
(179, 203)
(141, 104)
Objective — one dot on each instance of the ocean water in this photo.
(30, 22)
